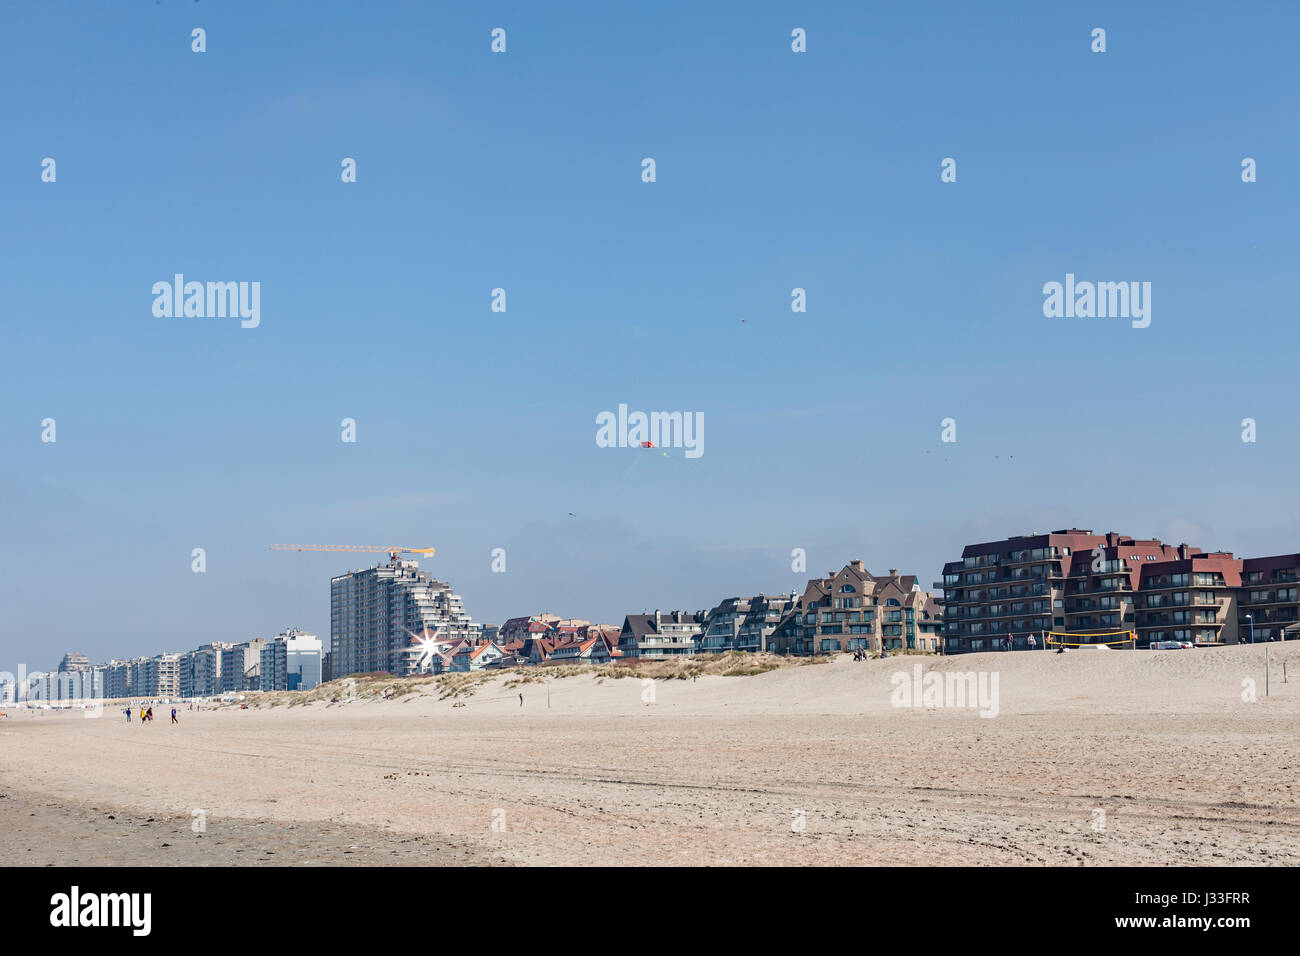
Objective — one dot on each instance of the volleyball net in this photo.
(1108, 638)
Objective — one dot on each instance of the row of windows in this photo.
(1199, 579)
(1182, 634)
(1015, 557)
(858, 643)
(828, 617)
(1180, 597)
(1281, 576)
(1282, 594)
(1020, 624)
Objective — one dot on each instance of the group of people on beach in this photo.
(146, 715)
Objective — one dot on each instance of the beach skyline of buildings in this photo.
(290, 660)
(1005, 594)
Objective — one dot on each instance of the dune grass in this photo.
(383, 686)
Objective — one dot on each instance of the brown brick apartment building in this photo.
(1003, 592)
(1192, 598)
(1268, 599)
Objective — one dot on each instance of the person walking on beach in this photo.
(174, 720)
(142, 715)
(149, 715)
(128, 714)
(521, 700)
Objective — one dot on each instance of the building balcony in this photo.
(1270, 599)
(665, 643)
(1029, 590)
(1150, 622)
(1274, 616)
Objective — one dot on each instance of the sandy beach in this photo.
(1142, 758)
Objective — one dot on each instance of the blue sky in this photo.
(775, 170)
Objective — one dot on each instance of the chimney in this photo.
(858, 564)
(657, 617)
(1183, 552)
(893, 572)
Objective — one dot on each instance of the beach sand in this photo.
(802, 765)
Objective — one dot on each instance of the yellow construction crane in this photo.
(355, 548)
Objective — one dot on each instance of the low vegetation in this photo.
(384, 686)
(376, 686)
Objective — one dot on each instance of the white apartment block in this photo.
(376, 613)
(304, 652)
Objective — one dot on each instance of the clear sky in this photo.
(775, 170)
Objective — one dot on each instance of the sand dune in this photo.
(803, 765)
